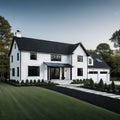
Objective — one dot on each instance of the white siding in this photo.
(15, 63)
(75, 64)
(41, 58)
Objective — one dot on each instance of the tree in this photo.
(104, 51)
(5, 42)
(116, 38)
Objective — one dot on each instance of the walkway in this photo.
(77, 87)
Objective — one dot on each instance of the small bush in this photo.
(101, 85)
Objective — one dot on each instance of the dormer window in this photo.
(33, 56)
(80, 58)
(90, 61)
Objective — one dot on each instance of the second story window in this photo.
(80, 58)
(11, 59)
(33, 56)
(15, 45)
(17, 56)
(55, 57)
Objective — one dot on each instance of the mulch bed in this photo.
(102, 101)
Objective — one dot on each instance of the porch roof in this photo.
(57, 64)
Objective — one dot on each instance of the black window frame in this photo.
(90, 61)
(103, 72)
(33, 71)
(93, 72)
(18, 71)
(13, 72)
(79, 71)
(79, 58)
(12, 59)
(55, 57)
(33, 55)
(18, 57)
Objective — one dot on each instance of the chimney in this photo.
(18, 33)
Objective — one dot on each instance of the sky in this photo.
(71, 21)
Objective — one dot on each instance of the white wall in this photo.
(41, 57)
(15, 63)
(75, 64)
(97, 77)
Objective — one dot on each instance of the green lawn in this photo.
(36, 103)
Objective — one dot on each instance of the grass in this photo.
(36, 103)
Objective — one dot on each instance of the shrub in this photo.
(113, 86)
(31, 83)
(101, 84)
(27, 83)
(22, 83)
(91, 83)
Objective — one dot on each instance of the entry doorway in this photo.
(54, 73)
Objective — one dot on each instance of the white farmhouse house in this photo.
(35, 59)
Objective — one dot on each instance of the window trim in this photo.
(13, 72)
(33, 72)
(18, 72)
(18, 57)
(33, 54)
(12, 59)
(79, 58)
(81, 72)
(56, 57)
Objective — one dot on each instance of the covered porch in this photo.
(58, 71)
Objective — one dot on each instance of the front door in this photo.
(54, 73)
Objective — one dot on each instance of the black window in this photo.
(17, 56)
(15, 46)
(55, 57)
(11, 58)
(18, 71)
(33, 56)
(80, 72)
(33, 71)
(80, 58)
(93, 72)
(90, 61)
(13, 71)
(103, 72)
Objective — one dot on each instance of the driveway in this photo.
(98, 100)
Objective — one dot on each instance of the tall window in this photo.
(80, 58)
(13, 71)
(80, 72)
(11, 59)
(33, 71)
(17, 56)
(18, 71)
(55, 57)
(33, 56)
(15, 45)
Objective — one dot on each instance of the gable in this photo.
(80, 50)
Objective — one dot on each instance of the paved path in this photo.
(76, 87)
(85, 95)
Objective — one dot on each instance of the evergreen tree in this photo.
(5, 42)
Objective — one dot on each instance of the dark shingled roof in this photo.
(98, 62)
(37, 45)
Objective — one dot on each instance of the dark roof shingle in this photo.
(98, 62)
(45, 46)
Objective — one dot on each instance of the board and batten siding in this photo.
(41, 58)
(76, 64)
(15, 63)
